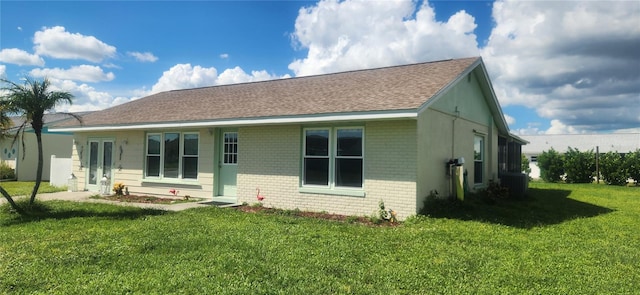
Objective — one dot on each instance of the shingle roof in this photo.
(405, 87)
(49, 119)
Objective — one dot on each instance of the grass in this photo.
(24, 188)
(563, 239)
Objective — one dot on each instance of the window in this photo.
(172, 155)
(333, 157)
(478, 159)
(230, 154)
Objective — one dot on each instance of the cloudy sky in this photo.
(556, 66)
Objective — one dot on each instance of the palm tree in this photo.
(32, 100)
(5, 125)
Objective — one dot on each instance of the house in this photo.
(53, 143)
(338, 142)
(603, 143)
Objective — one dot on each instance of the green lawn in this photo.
(24, 188)
(564, 239)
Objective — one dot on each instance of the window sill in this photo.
(181, 182)
(335, 191)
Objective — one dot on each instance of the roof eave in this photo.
(307, 119)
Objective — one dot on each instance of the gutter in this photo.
(404, 114)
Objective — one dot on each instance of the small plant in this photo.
(118, 188)
(384, 214)
(495, 191)
(6, 172)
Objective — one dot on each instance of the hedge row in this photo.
(580, 167)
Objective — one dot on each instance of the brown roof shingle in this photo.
(404, 87)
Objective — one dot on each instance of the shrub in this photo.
(551, 165)
(613, 169)
(118, 188)
(6, 172)
(632, 165)
(525, 165)
(579, 166)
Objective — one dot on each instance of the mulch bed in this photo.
(318, 215)
(144, 199)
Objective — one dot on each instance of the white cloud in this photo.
(143, 56)
(237, 75)
(510, 120)
(56, 42)
(3, 70)
(86, 98)
(224, 55)
(558, 127)
(84, 73)
(356, 34)
(182, 76)
(20, 57)
(575, 62)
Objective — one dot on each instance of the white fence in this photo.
(60, 171)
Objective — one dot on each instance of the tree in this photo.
(579, 166)
(31, 101)
(551, 165)
(632, 165)
(5, 125)
(525, 165)
(613, 169)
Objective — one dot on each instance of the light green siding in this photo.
(446, 130)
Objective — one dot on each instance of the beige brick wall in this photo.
(270, 159)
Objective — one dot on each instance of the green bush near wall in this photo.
(6, 172)
(612, 169)
(580, 167)
(551, 165)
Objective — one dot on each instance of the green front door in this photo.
(228, 163)
(100, 163)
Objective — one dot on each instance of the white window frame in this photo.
(181, 155)
(332, 156)
(481, 160)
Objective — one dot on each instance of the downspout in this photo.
(453, 146)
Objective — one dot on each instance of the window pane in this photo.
(478, 156)
(153, 166)
(230, 155)
(171, 154)
(477, 172)
(191, 144)
(317, 142)
(107, 150)
(350, 142)
(153, 144)
(93, 163)
(190, 167)
(316, 171)
(349, 172)
(478, 146)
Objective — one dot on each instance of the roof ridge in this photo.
(323, 74)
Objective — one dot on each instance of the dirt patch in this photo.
(144, 199)
(369, 221)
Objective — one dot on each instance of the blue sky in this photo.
(557, 66)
